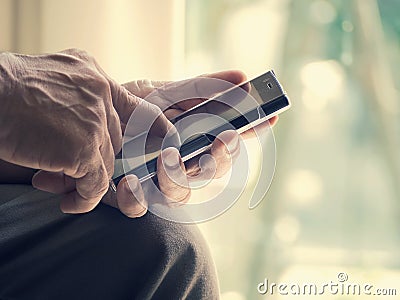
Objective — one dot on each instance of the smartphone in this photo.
(240, 107)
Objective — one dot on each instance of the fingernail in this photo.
(171, 159)
(131, 185)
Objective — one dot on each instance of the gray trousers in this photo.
(45, 254)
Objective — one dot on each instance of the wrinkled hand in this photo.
(62, 114)
(172, 174)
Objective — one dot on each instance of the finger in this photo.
(130, 197)
(188, 93)
(142, 88)
(53, 182)
(251, 133)
(172, 177)
(172, 113)
(108, 155)
(90, 188)
(273, 121)
(132, 204)
(232, 76)
(224, 150)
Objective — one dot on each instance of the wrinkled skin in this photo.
(62, 114)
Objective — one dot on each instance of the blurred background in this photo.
(334, 204)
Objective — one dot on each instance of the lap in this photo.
(45, 254)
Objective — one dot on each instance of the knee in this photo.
(179, 255)
(163, 259)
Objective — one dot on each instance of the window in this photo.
(333, 204)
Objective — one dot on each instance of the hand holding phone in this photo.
(170, 98)
(238, 107)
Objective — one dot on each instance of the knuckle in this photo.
(119, 93)
(78, 166)
(79, 53)
(177, 194)
(75, 56)
(94, 190)
(95, 82)
(101, 82)
(144, 83)
(145, 86)
(81, 161)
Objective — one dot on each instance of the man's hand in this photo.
(62, 114)
(171, 172)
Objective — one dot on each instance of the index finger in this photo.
(172, 177)
(144, 88)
